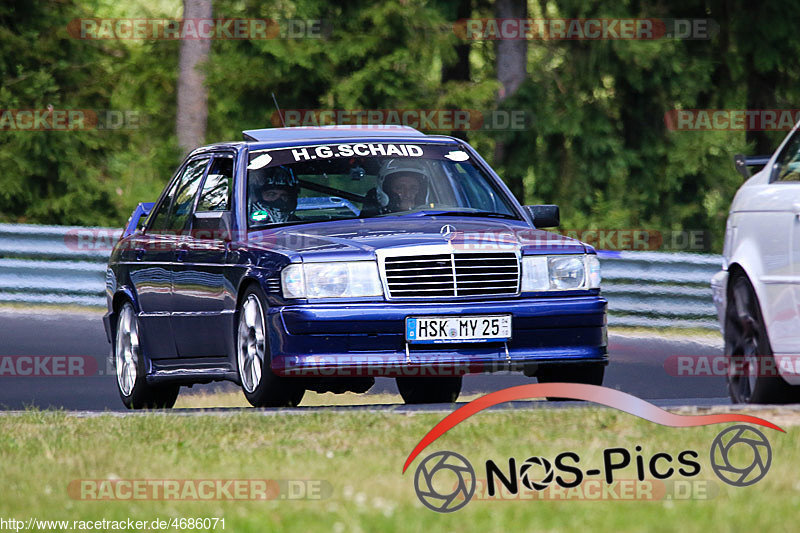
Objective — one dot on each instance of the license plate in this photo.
(442, 329)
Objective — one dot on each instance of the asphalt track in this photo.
(639, 365)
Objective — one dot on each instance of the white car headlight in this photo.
(341, 279)
(560, 272)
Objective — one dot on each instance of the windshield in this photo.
(366, 180)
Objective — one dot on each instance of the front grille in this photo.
(452, 275)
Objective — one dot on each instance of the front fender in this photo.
(110, 318)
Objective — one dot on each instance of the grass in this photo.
(359, 456)
(201, 400)
(70, 309)
(685, 334)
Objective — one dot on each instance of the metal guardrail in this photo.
(659, 289)
(61, 265)
(65, 265)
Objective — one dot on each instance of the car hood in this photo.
(361, 238)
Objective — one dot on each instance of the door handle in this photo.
(181, 250)
(139, 254)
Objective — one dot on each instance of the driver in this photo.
(402, 185)
(274, 192)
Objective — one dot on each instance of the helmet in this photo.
(394, 167)
(279, 208)
(268, 178)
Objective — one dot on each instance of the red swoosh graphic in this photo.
(591, 393)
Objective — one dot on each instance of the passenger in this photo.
(402, 185)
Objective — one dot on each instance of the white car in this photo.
(757, 292)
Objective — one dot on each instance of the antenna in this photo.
(279, 109)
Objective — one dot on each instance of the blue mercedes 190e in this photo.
(319, 258)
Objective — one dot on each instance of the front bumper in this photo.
(719, 291)
(107, 326)
(368, 339)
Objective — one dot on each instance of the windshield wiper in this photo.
(467, 214)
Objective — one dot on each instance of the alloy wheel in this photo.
(251, 343)
(127, 350)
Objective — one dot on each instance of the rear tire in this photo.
(260, 385)
(130, 368)
(587, 374)
(429, 390)
(748, 350)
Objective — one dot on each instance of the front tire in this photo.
(748, 350)
(130, 368)
(429, 390)
(260, 385)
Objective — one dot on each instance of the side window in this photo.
(174, 211)
(216, 194)
(478, 191)
(185, 194)
(159, 218)
(787, 166)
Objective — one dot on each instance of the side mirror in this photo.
(138, 218)
(544, 216)
(214, 225)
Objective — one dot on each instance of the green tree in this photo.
(55, 177)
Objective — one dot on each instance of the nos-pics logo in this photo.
(446, 481)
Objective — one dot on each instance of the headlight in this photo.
(592, 272)
(331, 280)
(534, 273)
(566, 272)
(560, 272)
